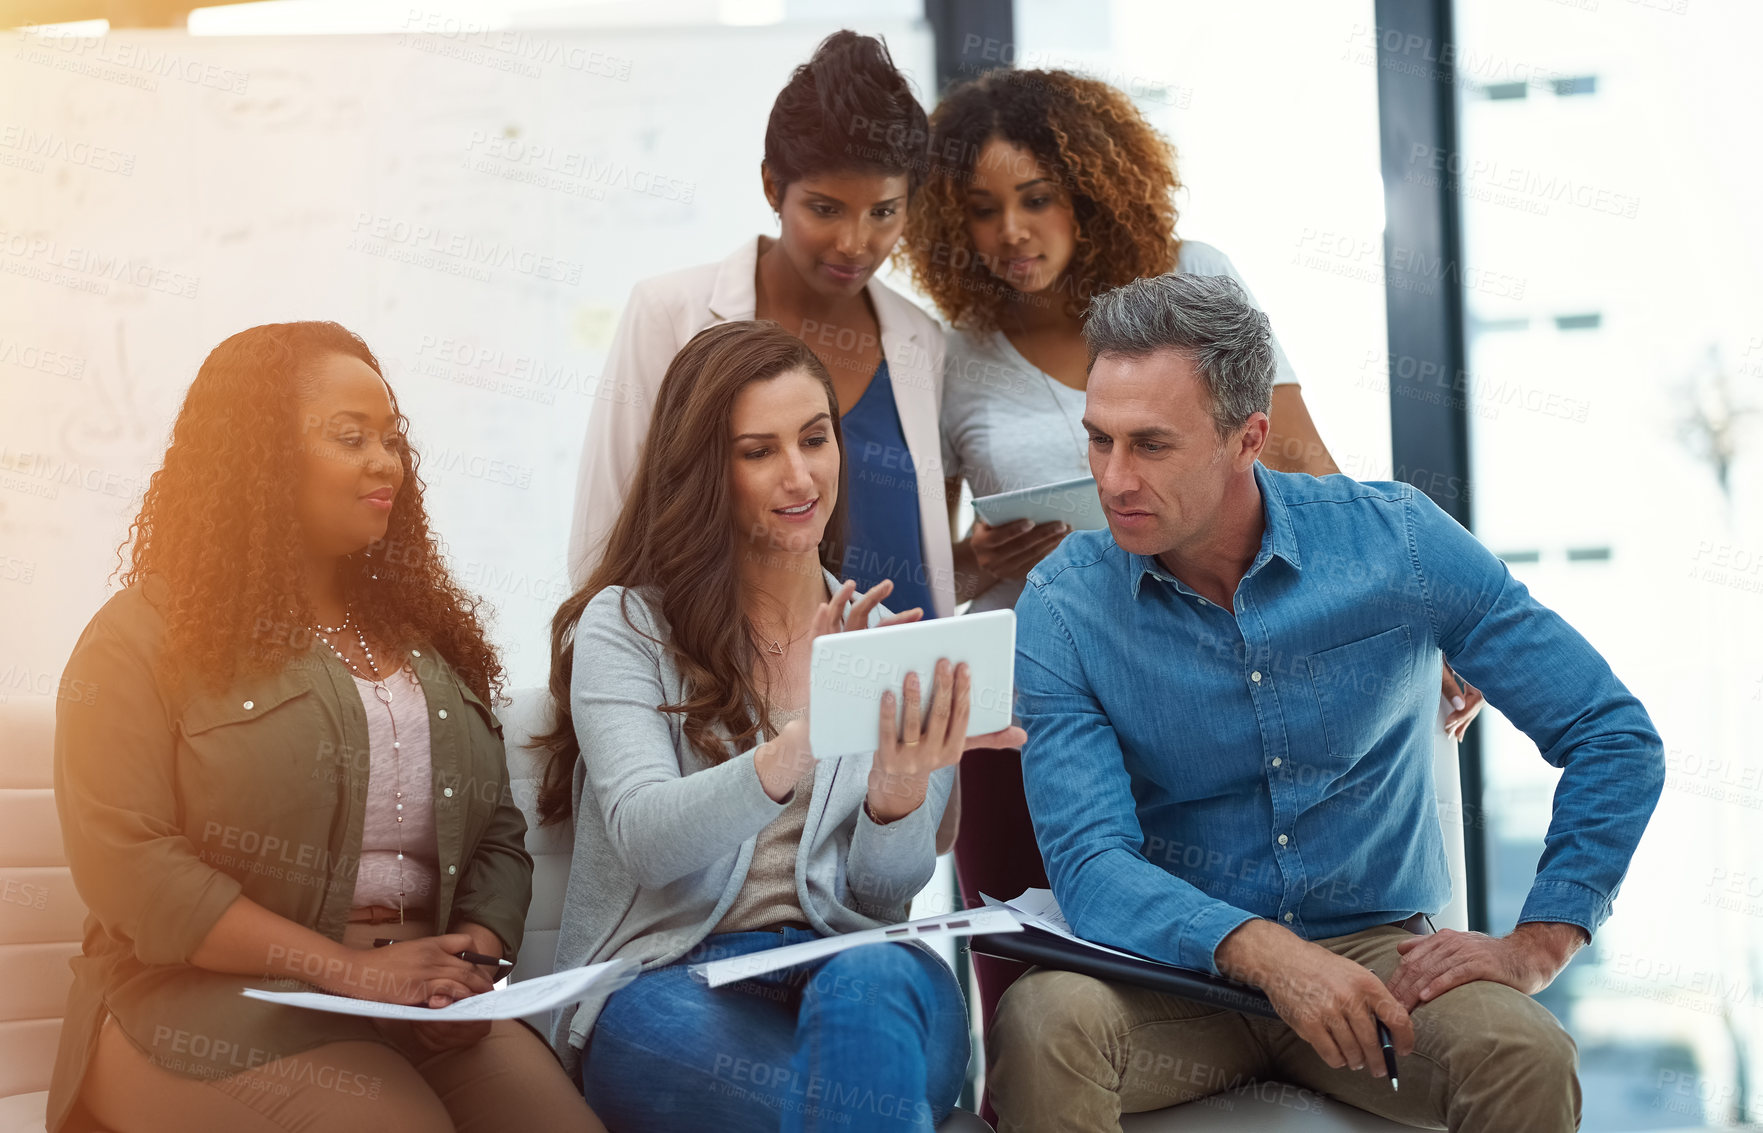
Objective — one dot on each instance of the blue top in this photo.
(1190, 767)
(883, 539)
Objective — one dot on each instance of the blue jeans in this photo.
(874, 1038)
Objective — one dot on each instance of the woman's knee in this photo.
(893, 981)
(516, 1082)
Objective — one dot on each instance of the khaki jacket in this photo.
(174, 803)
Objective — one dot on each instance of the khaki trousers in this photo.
(509, 1080)
(1072, 1053)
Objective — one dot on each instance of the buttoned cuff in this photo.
(1566, 902)
(1205, 931)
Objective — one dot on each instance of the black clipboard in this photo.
(1037, 946)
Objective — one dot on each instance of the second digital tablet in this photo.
(850, 671)
(1072, 502)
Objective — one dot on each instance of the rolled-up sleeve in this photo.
(116, 791)
(1080, 797)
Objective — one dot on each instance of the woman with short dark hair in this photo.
(844, 154)
(290, 755)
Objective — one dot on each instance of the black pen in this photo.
(1389, 1052)
(468, 957)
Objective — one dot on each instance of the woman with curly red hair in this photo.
(1045, 189)
(289, 756)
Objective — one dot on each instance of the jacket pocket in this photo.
(1362, 689)
(209, 711)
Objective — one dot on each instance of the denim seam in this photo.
(1101, 553)
(1432, 621)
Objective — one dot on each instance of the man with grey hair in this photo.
(1230, 700)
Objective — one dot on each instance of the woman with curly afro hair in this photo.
(1045, 189)
(284, 754)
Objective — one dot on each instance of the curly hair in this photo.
(217, 536)
(1117, 171)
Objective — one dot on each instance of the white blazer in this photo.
(663, 313)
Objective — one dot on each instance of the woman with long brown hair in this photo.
(290, 755)
(704, 826)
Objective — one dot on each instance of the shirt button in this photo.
(443, 713)
(416, 653)
(1203, 602)
(1288, 918)
(1283, 839)
(1255, 676)
(250, 704)
(1277, 761)
(455, 869)
(447, 792)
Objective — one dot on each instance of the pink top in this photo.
(406, 768)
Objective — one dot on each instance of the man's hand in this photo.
(1529, 959)
(1331, 1002)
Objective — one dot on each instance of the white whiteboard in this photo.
(476, 206)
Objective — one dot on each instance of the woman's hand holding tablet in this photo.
(1012, 549)
(911, 743)
(932, 737)
(786, 759)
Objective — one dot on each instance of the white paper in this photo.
(968, 922)
(516, 1001)
(1038, 908)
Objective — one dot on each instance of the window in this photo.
(1625, 206)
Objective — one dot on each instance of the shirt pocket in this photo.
(1362, 689)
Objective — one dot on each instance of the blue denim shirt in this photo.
(1189, 767)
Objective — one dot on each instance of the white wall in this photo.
(475, 204)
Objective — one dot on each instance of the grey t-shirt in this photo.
(1008, 424)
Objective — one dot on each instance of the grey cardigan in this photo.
(663, 839)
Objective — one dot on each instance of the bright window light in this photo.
(81, 28)
(751, 12)
(347, 17)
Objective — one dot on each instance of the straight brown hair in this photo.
(676, 538)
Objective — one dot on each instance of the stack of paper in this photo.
(1037, 908)
(515, 1001)
(716, 973)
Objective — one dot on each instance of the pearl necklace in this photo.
(384, 695)
(324, 632)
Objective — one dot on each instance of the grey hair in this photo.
(1210, 319)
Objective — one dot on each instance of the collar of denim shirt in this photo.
(1278, 539)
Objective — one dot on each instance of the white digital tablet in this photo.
(1072, 502)
(848, 672)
